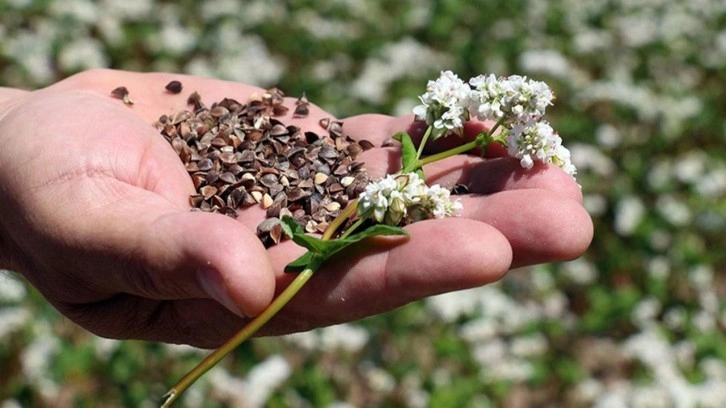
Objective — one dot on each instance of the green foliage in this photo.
(409, 159)
(320, 250)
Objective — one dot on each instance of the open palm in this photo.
(96, 216)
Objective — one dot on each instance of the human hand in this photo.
(96, 216)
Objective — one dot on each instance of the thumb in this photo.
(209, 255)
(184, 255)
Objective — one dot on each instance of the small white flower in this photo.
(532, 141)
(437, 198)
(444, 105)
(514, 98)
(406, 198)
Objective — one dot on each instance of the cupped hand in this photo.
(95, 214)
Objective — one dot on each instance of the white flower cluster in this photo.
(405, 198)
(532, 140)
(515, 102)
(514, 98)
(444, 105)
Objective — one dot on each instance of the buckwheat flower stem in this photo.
(340, 219)
(496, 126)
(242, 335)
(352, 228)
(451, 152)
(482, 140)
(252, 327)
(424, 139)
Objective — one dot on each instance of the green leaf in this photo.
(409, 161)
(300, 263)
(320, 251)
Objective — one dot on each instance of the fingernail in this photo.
(213, 284)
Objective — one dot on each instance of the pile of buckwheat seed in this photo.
(239, 155)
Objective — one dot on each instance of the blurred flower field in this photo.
(639, 321)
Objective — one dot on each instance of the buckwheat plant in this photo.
(516, 105)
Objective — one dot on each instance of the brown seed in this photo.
(227, 157)
(320, 178)
(279, 130)
(354, 149)
(257, 195)
(306, 184)
(266, 201)
(120, 92)
(302, 107)
(195, 200)
(346, 181)
(328, 153)
(366, 145)
(228, 177)
(296, 194)
(205, 164)
(356, 167)
(301, 111)
(174, 87)
(276, 233)
(195, 100)
(192, 167)
(218, 201)
(336, 128)
(248, 200)
(276, 189)
(274, 209)
(199, 179)
(235, 169)
(212, 176)
(266, 225)
(248, 177)
(219, 111)
(333, 206)
(236, 197)
(181, 116)
(335, 188)
(268, 180)
(208, 191)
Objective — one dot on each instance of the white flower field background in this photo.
(638, 321)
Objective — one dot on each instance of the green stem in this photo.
(244, 334)
(482, 140)
(496, 126)
(352, 228)
(252, 327)
(338, 221)
(451, 152)
(424, 139)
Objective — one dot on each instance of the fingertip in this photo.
(450, 254)
(577, 232)
(206, 255)
(245, 273)
(540, 225)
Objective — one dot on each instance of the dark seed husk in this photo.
(174, 87)
(120, 92)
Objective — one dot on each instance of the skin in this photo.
(96, 217)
